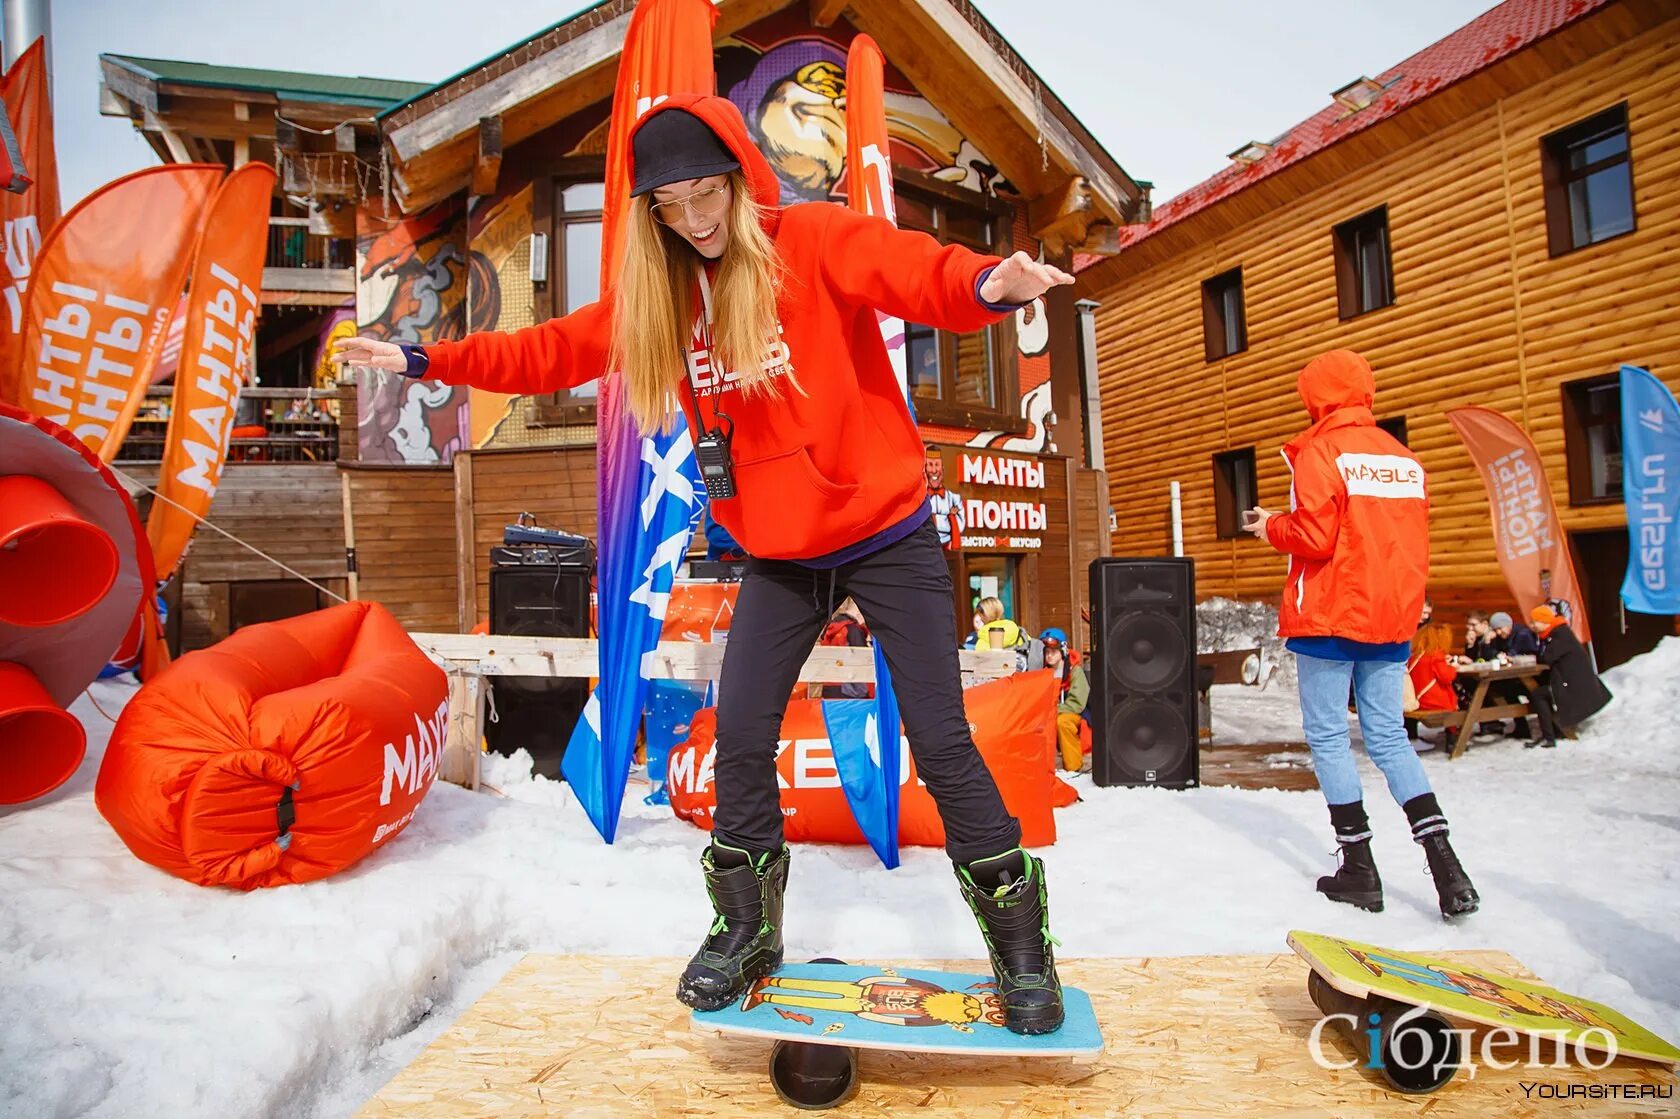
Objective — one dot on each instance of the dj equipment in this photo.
(1143, 672)
(539, 587)
(720, 571)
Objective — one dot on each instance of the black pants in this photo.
(1540, 699)
(1513, 691)
(906, 596)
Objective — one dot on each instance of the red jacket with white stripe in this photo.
(1357, 533)
(818, 469)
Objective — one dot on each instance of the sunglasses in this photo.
(705, 204)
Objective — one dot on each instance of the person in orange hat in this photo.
(1571, 692)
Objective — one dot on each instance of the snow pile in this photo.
(1227, 623)
(129, 993)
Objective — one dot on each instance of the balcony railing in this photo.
(274, 425)
(301, 261)
(291, 245)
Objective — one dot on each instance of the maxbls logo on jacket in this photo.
(1380, 475)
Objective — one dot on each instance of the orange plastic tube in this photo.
(54, 565)
(41, 744)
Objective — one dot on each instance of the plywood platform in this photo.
(602, 1037)
(1269, 765)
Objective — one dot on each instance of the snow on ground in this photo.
(129, 993)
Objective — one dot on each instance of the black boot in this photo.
(745, 941)
(1457, 895)
(1008, 896)
(1356, 881)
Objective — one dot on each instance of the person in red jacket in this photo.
(758, 323)
(1431, 668)
(1357, 538)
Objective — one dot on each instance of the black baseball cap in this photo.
(673, 146)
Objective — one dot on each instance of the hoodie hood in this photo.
(722, 117)
(1336, 380)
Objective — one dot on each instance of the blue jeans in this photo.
(1377, 687)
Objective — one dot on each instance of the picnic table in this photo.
(1485, 673)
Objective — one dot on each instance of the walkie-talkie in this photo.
(717, 470)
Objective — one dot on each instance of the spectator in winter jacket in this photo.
(1357, 538)
(757, 325)
(1075, 690)
(1431, 669)
(1478, 637)
(846, 628)
(1571, 692)
(999, 632)
(1508, 638)
(1511, 637)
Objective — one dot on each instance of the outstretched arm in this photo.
(557, 354)
(872, 263)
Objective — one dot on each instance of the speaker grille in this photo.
(1149, 738)
(1144, 706)
(1146, 651)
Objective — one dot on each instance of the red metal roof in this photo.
(1494, 35)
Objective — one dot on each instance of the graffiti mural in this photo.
(1032, 340)
(336, 324)
(501, 297)
(789, 80)
(411, 286)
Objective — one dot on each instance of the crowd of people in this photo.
(1442, 673)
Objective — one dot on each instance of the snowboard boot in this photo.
(1009, 900)
(1457, 895)
(745, 941)
(1356, 881)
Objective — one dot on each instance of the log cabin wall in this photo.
(1482, 313)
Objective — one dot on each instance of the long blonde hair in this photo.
(654, 312)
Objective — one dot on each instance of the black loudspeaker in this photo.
(537, 712)
(1143, 672)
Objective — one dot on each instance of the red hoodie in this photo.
(814, 472)
(1357, 533)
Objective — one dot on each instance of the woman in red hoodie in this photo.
(1431, 668)
(759, 324)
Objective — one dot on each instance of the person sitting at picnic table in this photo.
(1571, 692)
(1510, 640)
(1478, 637)
(1432, 673)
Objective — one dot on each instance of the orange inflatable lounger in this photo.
(283, 754)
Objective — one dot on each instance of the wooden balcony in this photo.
(276, 426)
(306, 267)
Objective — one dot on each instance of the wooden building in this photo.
(1494, 221)
(281, 492)
(493, 183)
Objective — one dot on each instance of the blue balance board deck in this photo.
(872, 1007)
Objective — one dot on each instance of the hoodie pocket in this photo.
(787, 508)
